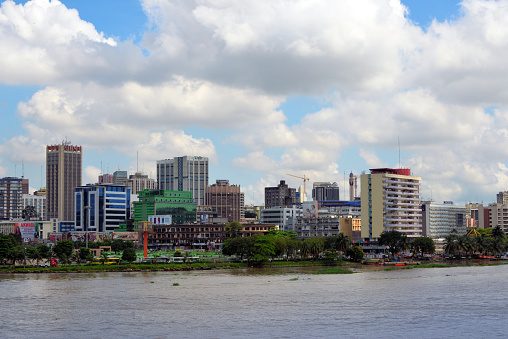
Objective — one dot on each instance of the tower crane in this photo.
(304, 180)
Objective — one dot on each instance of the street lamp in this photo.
(86, 209)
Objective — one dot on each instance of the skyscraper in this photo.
(63, 175)
(325, 191)
(187, 173)
(390, 200)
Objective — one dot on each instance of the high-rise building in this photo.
(140, 182)
(502, 197)
(11, 204)
(226, 200)
(63, 175)
(120, 178)
(101, 208)
(187, 173)
(325, 191)
(390, 200)
(25, 186)
(281, 195)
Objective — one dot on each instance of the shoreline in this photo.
(231, 266)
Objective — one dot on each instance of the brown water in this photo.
(467, 302)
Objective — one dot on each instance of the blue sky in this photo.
(263, 89)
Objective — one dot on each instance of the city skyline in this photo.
(262, 89)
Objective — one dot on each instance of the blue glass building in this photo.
(102, 207)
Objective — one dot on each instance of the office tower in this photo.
(11, 204)
(325, 191)
(281, 195)
(187, 173)
(140, 182)
(439, 220)
(120, 178)
(390, 200)
(102, 208)
(226, 200)
(63, 175)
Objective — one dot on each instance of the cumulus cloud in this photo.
(225, 67)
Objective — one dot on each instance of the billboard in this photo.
(27, 230)
(310, 209)
(161, 219)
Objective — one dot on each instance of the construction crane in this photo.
(304, 180)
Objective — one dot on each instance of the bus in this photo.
(107, 261)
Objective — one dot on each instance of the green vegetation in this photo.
(490, 241)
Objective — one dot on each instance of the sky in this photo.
(262, 88)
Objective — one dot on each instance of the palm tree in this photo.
(343, 242)
(304, 248)
(451, 243)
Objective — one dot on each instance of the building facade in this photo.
(285, 217)
(498, 216)
(140, 182)
(187, 173)
(439, 220)
(390, 200)
(178, 204)
(63, 175)
(325, 191)
(120, 178)
(37, 201)
(11, 202)
(101, 208)
(280, 196)
(226, 200)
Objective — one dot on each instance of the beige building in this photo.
(226, 200)
(390, 200)
(140, 182)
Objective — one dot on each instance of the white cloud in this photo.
(91, 174)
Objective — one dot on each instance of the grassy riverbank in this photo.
(330, 267)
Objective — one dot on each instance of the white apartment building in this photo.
(285, 217)
(439, 220)
(39, 202)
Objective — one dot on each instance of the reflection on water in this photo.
(256, 303)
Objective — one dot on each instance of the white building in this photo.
(37, 201)
(285, 217)
(439, 220)
(390, 200)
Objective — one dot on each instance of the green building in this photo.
(178, 204)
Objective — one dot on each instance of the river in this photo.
(467, 302)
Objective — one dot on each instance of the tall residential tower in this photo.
(390, 200)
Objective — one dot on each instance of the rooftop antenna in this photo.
(22, 168)
(137, 161)
(15, 171)
(101, 168)
(398, 140)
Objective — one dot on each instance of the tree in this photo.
(129, 255)
(452, 243)
(497, 232)
(423, 245)
(239, 246)
(355, 253)
(7, 243)
(63, 248)
(233, 229)
(395, 241)
(104, 258)
(84, 253)
(18, 254)
(117, 245)
(263, 250)
(44, 250)
(34, 254)
(29, 212)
